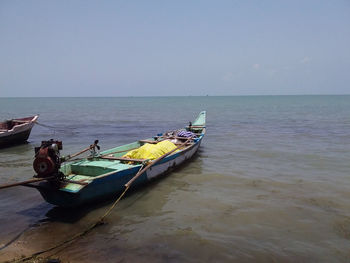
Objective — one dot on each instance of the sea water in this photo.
(270, 183)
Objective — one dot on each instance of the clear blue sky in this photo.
(140, 48)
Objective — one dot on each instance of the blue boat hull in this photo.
(110, 186)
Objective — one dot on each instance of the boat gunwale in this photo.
(166, 159)
(170, 157)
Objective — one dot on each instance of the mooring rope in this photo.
(47, 126)
(54, 128)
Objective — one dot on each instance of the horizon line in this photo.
(167, 96)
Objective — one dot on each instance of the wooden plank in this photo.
(127, 150)
(74, 182)
(123, 159)
(154, 142)
(34, 180)
(174, 137)
(148, 141)
(196, 127)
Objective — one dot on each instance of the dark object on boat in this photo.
(47, 159)
(102, 176)
(16, 131)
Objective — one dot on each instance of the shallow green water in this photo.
(270, 182)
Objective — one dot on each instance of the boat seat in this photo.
(75, 182)
(78, 177)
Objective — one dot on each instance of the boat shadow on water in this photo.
(73, 215)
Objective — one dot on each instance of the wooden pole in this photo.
(76, 154)
(82, 151)
(119, 151)
(128, 184)
(26, 182)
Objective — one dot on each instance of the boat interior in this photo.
(9, 124)
(82, 172)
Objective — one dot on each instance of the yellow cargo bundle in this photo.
(151, 151)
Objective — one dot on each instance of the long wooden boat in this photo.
(105, 175)
(16, 131)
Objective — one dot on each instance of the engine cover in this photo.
(47, 158)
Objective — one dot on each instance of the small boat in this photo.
(16, 131)
(104, 175)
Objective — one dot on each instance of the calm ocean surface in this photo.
(271, 182)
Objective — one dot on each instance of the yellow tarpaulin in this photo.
(151, 151)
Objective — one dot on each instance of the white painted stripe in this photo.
(159, 169)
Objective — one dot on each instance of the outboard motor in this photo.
(47, 159)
